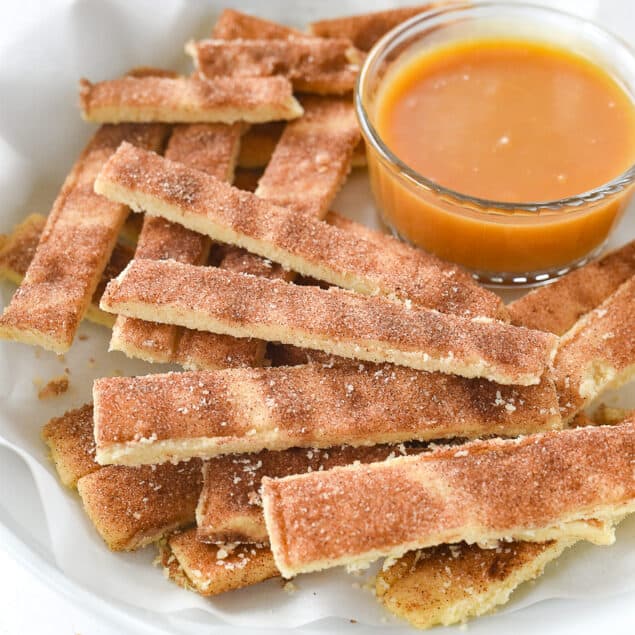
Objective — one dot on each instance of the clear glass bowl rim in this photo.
(610, 188)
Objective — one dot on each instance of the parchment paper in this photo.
(44, 49)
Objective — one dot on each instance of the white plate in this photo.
(42, 53)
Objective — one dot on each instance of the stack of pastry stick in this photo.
(384, 406)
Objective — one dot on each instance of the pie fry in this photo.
(521, 489)
(335, 321)
(188, 100)
(155, 418)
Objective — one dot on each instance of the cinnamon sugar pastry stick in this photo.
(130, 507)
(313, 65)
(74, 248)
(16, 253)
(557, 306)
(146, 181)
(486, 490)
(230, 510)
(211, 148)
(598, 352)
(313, 158)
(213, 569)
(235, 25)
(179, 415)
(334, 320)
(133, 507)
(451, 583)
(364, 30)
(189, 100)
(71, 443)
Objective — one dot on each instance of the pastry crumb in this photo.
(55, 387)
(289, 587)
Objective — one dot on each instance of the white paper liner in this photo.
(40, 136)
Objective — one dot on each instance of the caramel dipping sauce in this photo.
(504, 130)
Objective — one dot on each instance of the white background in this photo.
(31, 600)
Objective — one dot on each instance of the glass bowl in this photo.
(501, 243)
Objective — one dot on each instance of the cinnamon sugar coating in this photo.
(436, 585)
(17, 251)
(327, 123)
(72, 445)
(178, 415)
(450, 583)
(478, 492)
(74, 247)
(214, 569)
(230, 510)
(188, 100)
(336, 321)
(557, 306)
(313, 248)
(598, 352)
(313, 65)
(133, 507)
(18, 247)
(365, 29)
(313, 157)
(234, 25)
